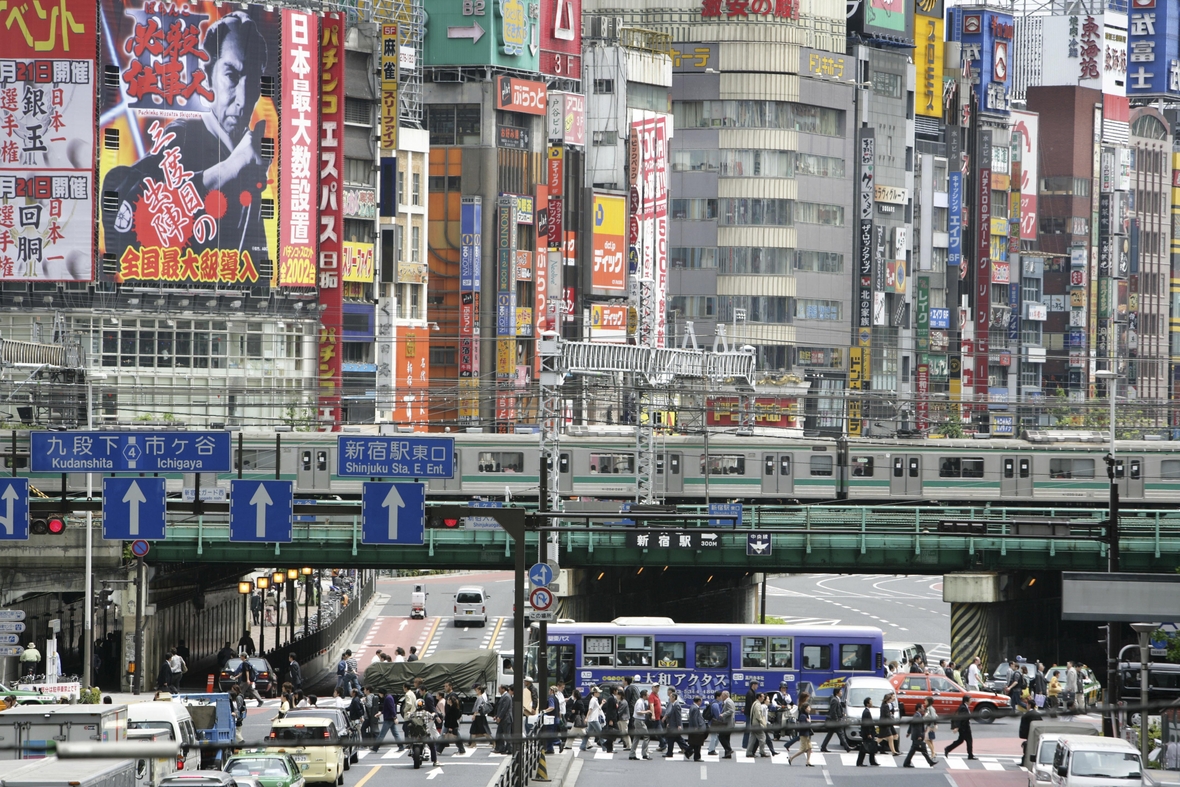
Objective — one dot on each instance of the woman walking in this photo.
(804, 730)
(889, 732)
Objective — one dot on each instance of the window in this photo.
(453, 125)
(939, 683)
(810, 309)
(816, 213)
(440, 183)
(694, 306)
(857, 657)
(817, 657)
(416, 189)
(500, 461)
(634, 651)
(821, 466)
(695, 160)
(694, 209)
(754, 652)
(653, 98)
(862, 466)
(415, 244)
(755, 259)
(612, 463)
(671, 654)
(358, 111)
(598, 651)
(443, 356)
(1066, 186)
(693, 257)
(819, 261)
(757, 163)
(757, 114)
(724, 464)
(604, 86)
(782, 652)
(1071, 468)
(915, 683)
(1170, 470)
(358, 170)
(886, 84)
(956, 467)
(757, 308)
(753, 211)
(819, 166)
(711, 656)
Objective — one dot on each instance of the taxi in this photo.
(913, 688)
(269, 769)
(314, 745)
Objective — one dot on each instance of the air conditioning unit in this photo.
(993, 381)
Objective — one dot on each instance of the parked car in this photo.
(17, 697)
(856, 689)
(1091, 761)
(266, 680)
(913, 689)
(349, 732)
(269, 769)
(199, 779)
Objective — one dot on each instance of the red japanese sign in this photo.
(47, 142)
(299, 172)
(411, 375)
(776, 412)
(561, 38)
(189, 142)
(331, 225)
(747, 9)
(520, 95)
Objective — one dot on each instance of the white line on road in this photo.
(951, 780)
(434, 772)
(403, 625)
(827, 777)
(704, 773)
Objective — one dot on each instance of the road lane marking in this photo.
(422, 643)
(495, 633)
(957, 764)
(827, 777)
(367, 776)
(704, 773)
(993, 766)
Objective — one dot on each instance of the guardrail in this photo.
(315, 643)
(521, 767)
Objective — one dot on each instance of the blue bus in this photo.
(700, 658)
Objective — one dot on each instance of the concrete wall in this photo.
(685, 595)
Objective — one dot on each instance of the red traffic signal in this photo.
(54, 525)
(445, 517)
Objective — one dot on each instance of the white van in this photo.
(164, 714)
(1088, 761)
(471, 606)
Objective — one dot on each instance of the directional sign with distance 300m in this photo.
(393, 513)
(395, 457)
(14, 509)
(260, 511)
(130, 452)
(133, 508)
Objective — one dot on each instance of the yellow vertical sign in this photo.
(856, 378)
(928, 56)
(390, 49)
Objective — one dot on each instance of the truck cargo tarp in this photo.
(463, 668)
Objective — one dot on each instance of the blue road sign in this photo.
(133, 508)
(130, 452)
(541, 574)
(14, 509)
(758, 545)
(260, 511)
(726, 509)
(395, 457)
(393, 513)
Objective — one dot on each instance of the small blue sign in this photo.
(393, 513)
(395, 457)
(540, 575)
(134, 508)
(130, 452)
(14, 509)
(482, 522)
(260, 511)
(725, 509)
(758, 545)
(940, 318)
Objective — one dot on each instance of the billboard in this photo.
(331, 226)
(889, 19)
(1028, 123)
(609, 214)
(929, 56)
(986, 38)
(188, 164)
(411, 375)
(47, 86)
(1088, 50)
(298, 175)
(1153, 49)
(521, 95)
(390, 65)
(565, 118)
(561, 38)
(608, 323)
(647, 235)
(482, 33)
(358, 262)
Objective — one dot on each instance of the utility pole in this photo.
(137, 677)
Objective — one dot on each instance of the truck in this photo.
(213, 721)
(462, 668)
(28, 730)
(52, 772)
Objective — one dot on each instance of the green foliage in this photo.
(1173, 643)
(91, 696)
(952, 428)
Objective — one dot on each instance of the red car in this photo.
(914, 688)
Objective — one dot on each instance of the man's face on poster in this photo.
(235, 86)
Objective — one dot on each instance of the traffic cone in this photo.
(542, 769)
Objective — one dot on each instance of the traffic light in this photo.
(445, 517)
(52, 525)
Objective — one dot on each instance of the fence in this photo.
(521, 767)
(307, 648)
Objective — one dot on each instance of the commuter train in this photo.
(1046, 468)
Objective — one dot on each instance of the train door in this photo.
(1016, 477)
(776, 474)
(455, 482)
(565, 472)
(1130, 470)
(674, 473)
(314, 472)
(905, 478)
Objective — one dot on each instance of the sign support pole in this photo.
(543, 634)
(88, 594)
(137, 679)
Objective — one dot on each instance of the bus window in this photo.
(856, 657)
(670, 654)
(712, 656)
(561, 662)
(754, 652)
(598, 651)
(782, 652)
(817, 657)
(634, 651)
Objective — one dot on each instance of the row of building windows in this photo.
(200, 344)
(758, 114)
(756, 211)
(757, 163)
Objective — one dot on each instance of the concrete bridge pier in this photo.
(687, 595)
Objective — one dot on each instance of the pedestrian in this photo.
(400, 657)
(245, 677)
(1040, 686)
(640, 716)
(931, 717)
(868, 736)
(769, 737)
(224, 655)
(624, 712)
(164, 676)
(549, 717)
(835, 724)
(342, 671)
(480, 730)
(756, 724)
(176, 667)
(561, 725)
(422, 720)
(246, 643)
(610, 713)
(255, 606)
(237, 705)
(285, 703)
(657, 714)
(413, 654)
(751, 697)
(804, 730)
(377, 657)
(372, 707)
(452, 717)
(594, 720)
(975, 675)
(780, 706)
(961, 723)
(1053, 698)
(887, 739)
(528, 705)
(351, 673)
(711, 711)
(294, 671)
(1014, 685)
(389, 721)
(504, 721)
(697, 730)
(728, 713)
(917, 736)
(1071, 685)
(631, 695)
(673, 722)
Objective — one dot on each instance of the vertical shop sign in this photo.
(298, 168)
(390, 66)
(331, 209)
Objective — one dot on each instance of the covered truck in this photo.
(463, 669)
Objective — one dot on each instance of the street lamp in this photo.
(1144, 630)
(292, 574)
(262, 583)
(1112, 535)
(306, 571)
(277, 579)
(245, 589)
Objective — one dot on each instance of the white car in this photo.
(856, 689)
(471, 606)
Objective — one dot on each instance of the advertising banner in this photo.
(983, 255)
(773, 412)
(520, 95)
(47, 86)
(360, 203)
(411, 375)
(565, 119)
(864, 284)
(561, 38)
(608, 323)
(1028, 124)
(358, 264)
(390, 70)
(189, 165)
(331, 235)
(929, 56)
(298, 173)
(608, 241)
(481, 33)
(857, 376)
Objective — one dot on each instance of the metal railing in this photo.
(521, 767)
(307, 648)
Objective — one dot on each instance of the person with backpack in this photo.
(631, 695)
(342, 672)
(1014, 686)
(420, 731)
(245, 675)
(480, 729)
(237, 707)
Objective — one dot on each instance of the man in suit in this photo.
(961, 723)
(673, 722)
(917, 733)
(504, 721)
(868, 735)
(836, 715)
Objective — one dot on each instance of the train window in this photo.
(674, 462)
(898, 467)
(659, 465)
(856, 657)
(769, 465)
(634, 651)
(598, 651)
(914, 467)
(862, 467)
(671, 654)
(563, 463)
(784, 465)
(321, 460)
(1136, 469)
(305, 459)
(712, 655)
(1025, 468)
(257, 460)
(21, 461)
(972, 468)
(725, 464)
(500, 461)
(606, 464)
(754, 652)
(782, 652)
(956, 467)
(1071, 468)
(1170, 470)
(817, 657)
(821, 466)
(1009, 468)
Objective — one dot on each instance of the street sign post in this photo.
(12, 614)
(133, 508)
(130, 452)
(9, 639)
(13, 628)
(261, 511)
(758, 545)
(541, 574)
(140, 548)
(14, 509)
(365, 456)
(11, 650)
(541, 598)
(725, 509)
(548, 615)
(393, 513)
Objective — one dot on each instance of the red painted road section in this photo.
(988, 778)
(994, 745)
(388, 634)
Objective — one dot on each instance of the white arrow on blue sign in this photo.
(14, 505)
(261, 511)
(541, 574)
(133, 508)
(393, 513)
(758, 544)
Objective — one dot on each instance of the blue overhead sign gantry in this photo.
(363, 456)
(130, 452)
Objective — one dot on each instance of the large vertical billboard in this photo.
(299, 173)
(928, 56)
(608, 224)
(892, 20)
(561, 38)
(647, 233)
(189, 130)
(411, 375)
(331, 225)
(1028, 124)
(390, 65)
(470, 266)
(1153, 50)
(47, 81)
(1088, 50)
(986, 38)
